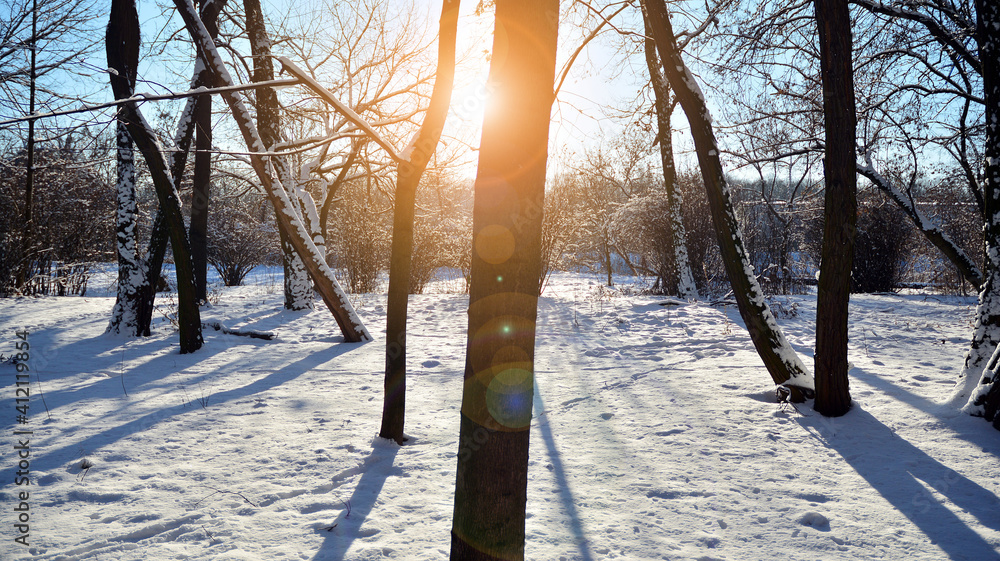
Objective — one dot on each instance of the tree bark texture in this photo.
(123, 25)
(408, 174)
(298, 289)
(984, 397)
(491, 481)
(781, 360)
(833, 396)
(123, 57)
(201, 184)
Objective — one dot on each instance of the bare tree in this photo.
(138, 277)
(298, 290)
(287, 210)
(408, 174)
(492, 472)
(833, 397)
(63, 34)
(679, 280)
(122, 48)
(781, 360)
(125, 317)
(915, 96)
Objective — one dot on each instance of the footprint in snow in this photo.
(675, 430)
(815, 520)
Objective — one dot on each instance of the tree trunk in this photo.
(201, 185)
(125, 315)
(779, 357)
(198, 229)
(408, 175)
(125, 62)
(491, 482)
(24, 271)
(984, 396)
(159, 236)
(680, 281)
(833, 397)
(122, 30)
(298, 289)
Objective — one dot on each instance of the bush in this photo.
(72, 216)
(880, 248)
(238, 238)
(360, 243)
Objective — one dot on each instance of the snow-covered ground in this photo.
(656, 435)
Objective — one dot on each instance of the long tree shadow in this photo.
(559, 471)
(53, 458)
(902, 473)
(982, 439)
(375, 470)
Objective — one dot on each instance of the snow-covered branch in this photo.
(339, 106)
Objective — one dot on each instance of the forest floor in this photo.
(655, 435)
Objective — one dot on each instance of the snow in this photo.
(654, 434)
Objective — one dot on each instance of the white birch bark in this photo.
(125, 315)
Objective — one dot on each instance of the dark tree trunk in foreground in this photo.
(779, 357)
(984, 399)
(833, 397)
(122, 29)
(492, 476)
(408, 175)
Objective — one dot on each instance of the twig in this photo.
(224, 491)
(123, 372)
(41, 394)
